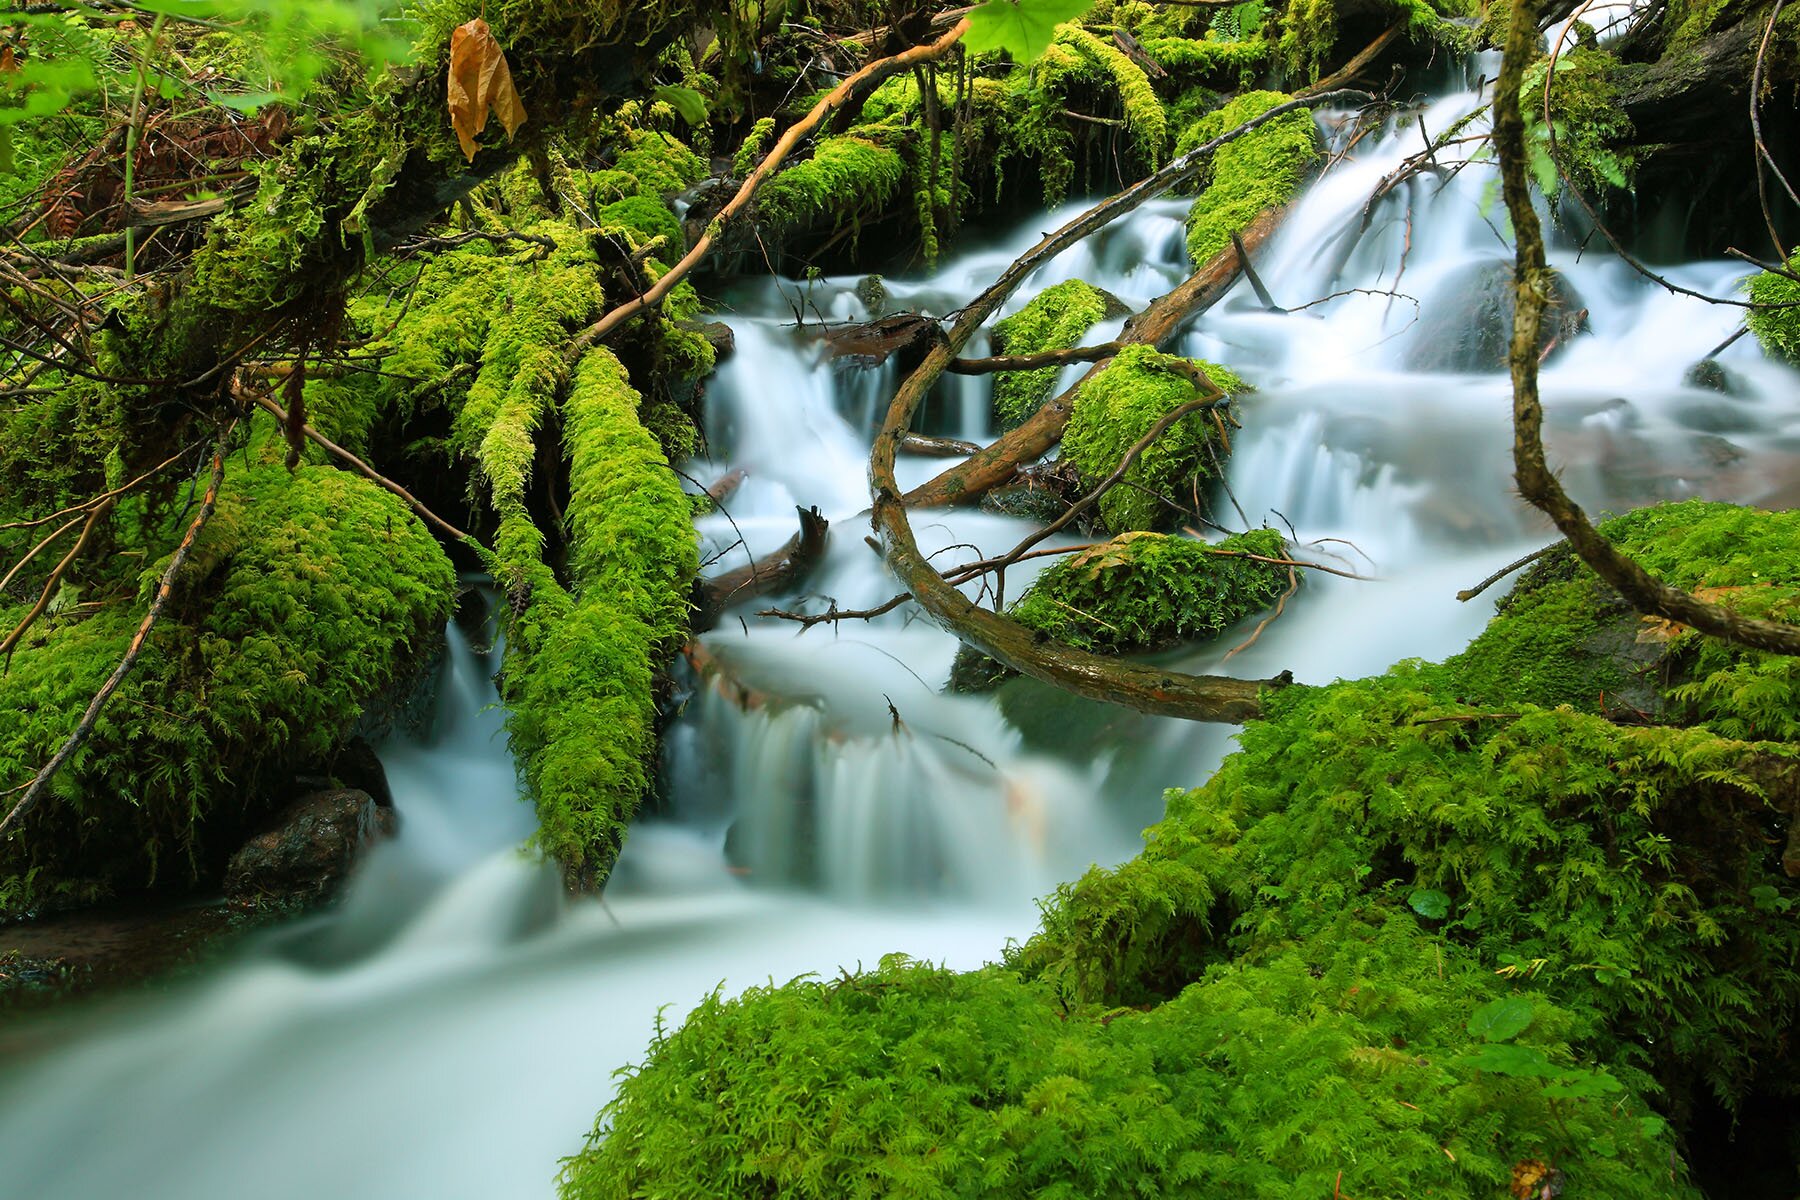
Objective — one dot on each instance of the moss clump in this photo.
(1142, 108)
(1118, 406)
(306, 596)
(1260, 170)
(1564, 637)
(1592, 129)
(641, 221)
(1056, 319)
(580, 678)
(1145, 591)
(1345, 1063)
(1777, 329)
(847, 179)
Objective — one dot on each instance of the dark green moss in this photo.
(1055, 319)
(1778, 329)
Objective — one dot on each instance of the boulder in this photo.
(1467, 320)
(309, 849)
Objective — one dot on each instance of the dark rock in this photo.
(308, 850)
(358, 766)
(718, 334)
(1709, 374)
(1467, 321)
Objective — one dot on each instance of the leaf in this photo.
(480, 80)
(1510, 1059)
(1022, 28)
(1429, 903)
(1661, 629)
(1501, 1020)
(686, 101)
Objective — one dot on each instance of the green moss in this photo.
(580, 685)
(1138, 100)
(1145, 591)
(848, 179)
(750, 150)
(1056, 319)
(1591, 126)
(641, 220)
(1261, 170)
(1778, 329)
(1343, 1065)
(1209, 58)
(1117, 407)
(1309, 29)
(306, 596)
(1564, 637)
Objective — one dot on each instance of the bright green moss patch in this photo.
(1778, 329)
(1345, 1063)
(1259, 171)
(306, 597)
(580, 684)
(1056, 319)
(1144, 591)
(1118, 407)
(847, 179)
(642, 220)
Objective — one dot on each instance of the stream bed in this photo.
(452, 1026)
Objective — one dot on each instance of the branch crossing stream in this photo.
(450, 1028)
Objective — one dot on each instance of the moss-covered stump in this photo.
(1056, 319)
(1264, 169)
(1139, 592)
(307, 596)
(1119, 406)
(1362, 1062)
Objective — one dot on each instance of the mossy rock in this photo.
(1562, 636)
(1777, 329)
(307, 596)
(1140, 592)
(1119, 406)
(1055, 319)
(1469, 317)
(1263, 169)
(1346, 1062)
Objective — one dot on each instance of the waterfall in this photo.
(450, 1028)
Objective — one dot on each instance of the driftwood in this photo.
(1156, 325)
(726, 486)
(872, 342)
(937, 447)
(1135, 685)
(786, 568)
(1537, 483)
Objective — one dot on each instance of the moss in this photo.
(1342, 1064)
(1117, 407)
(581, 684)
(306, 596)
(1309, 29)
(1777, 329)
(1142, 108)
(1258, 171)
(1564, 637)
(848, 179)
(1055, 319)
(1209, 58)
(750, 150)
(1591, 126)
(641, 220)
(1146, 591)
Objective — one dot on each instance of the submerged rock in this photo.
(1467, 321)
(310, 848)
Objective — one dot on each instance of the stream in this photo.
(451, 1027)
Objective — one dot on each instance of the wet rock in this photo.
(718, 334)
(1467, 322)
(358, 766)
(1709, 374)
(872, 291)
(309, 849)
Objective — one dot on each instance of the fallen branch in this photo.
(1135, 685)
(164, 588)
(870, 75)
(43, 600)
(1468, 594)
(937, 447)
(1537, 483)
(726, 486)
(1031, 362)
(785, 568)
(358, 465)
(834, 613)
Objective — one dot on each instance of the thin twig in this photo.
(43, 600)
(1280, 605)
(1468, 594)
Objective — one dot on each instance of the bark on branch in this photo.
(1537, 483)
(785, 568)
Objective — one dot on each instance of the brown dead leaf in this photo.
(480, 80)
(1661, 629)
(8, 62)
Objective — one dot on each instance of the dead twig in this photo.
(1468, 594)
(834, 613)
(43, 600)
(1280, 606)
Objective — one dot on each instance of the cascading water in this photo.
(450, 1028)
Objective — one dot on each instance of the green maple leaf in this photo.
(1022, 28)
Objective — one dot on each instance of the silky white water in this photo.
(451, 1028)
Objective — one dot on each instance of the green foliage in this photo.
(1145, 591)
(847, 179)
(1117, 407)
(750, 151)
(1587, 117)
(1309, 29)
(306, 596)
(1259, 171)
(1022, 28)
(581, 687)
(1143, 110)
(1055, 319)
(1778, 329)
(1341, 1064)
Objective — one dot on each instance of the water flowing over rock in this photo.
(310, 849)
(1467, 324)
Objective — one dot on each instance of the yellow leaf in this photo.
(1661, 629)
(480, 80)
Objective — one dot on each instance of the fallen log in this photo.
(874, 342)
(726, 486)
(785, 568)
(1156, 325)
(937, 447)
